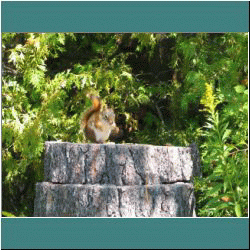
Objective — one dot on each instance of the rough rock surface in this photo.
(117, 180)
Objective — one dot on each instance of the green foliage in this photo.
(147, 41)
(225, 186)
(204, 100)
(7, 214)
(28, 104)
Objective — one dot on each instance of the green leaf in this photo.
(226, 184)
(239, 89)
(215, 189)
(238, 210)
(226, 134)
(7, 214)
(128, 75)
(245, 107)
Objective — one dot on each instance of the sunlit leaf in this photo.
(238, 210)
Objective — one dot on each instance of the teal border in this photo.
(104, 233)
(122, 16)
(114, 233)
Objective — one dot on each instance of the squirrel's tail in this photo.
(96, 106)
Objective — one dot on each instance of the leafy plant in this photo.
(225, 164)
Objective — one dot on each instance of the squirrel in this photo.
(99, 124)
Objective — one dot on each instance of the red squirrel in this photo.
(99, 124)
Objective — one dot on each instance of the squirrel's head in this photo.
(108, 115)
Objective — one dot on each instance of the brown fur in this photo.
(98, 124)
